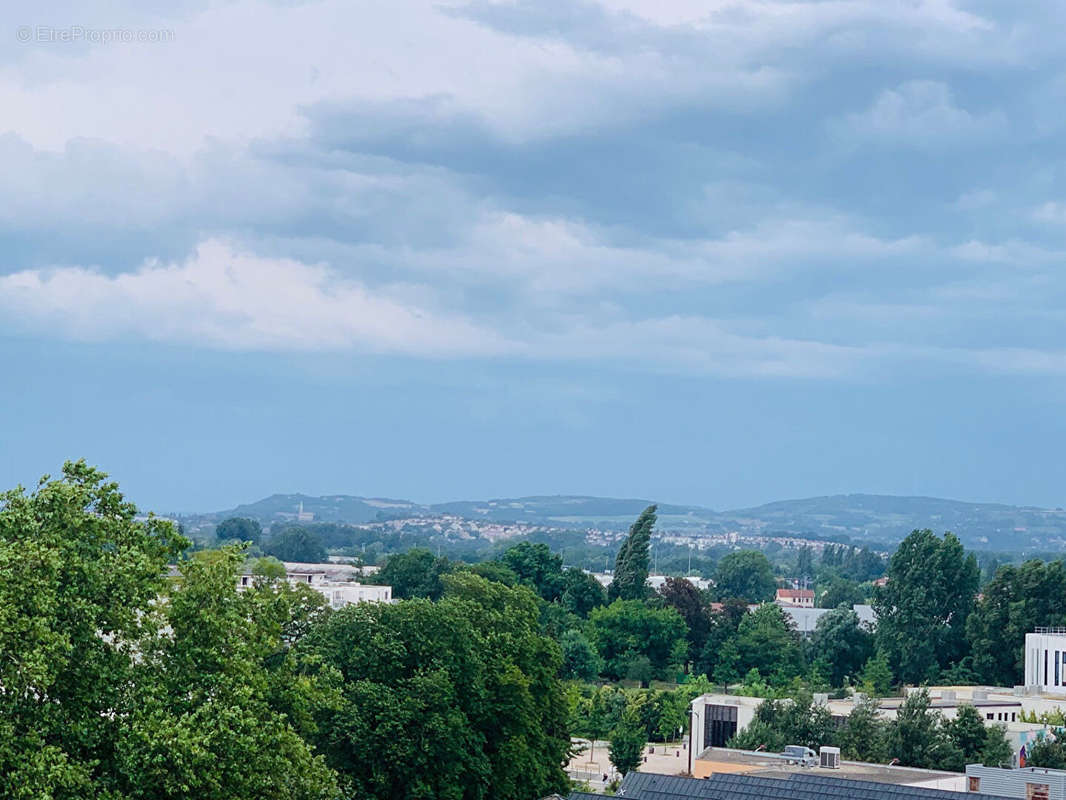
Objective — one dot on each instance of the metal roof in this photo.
(805, 786)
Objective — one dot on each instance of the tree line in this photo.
(124, 677)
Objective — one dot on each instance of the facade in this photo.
(802, 598)
(338, 593)
(1045, 661)
(715, 718)
(1028, 783)
(826, 762)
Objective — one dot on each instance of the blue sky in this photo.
(709, 252)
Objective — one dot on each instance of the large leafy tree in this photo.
(631, 565)
(416, 573)
(76, 572)
(690, 604)
(840, 641)
(918, 738)
(1016, 599)
(296, 543)
(453, 700)
(121, 684)
(767, 641)
(241, 529)
(218, 697)
(536, 566)
(581, 592)
(629, 635)
(922, 610)
(745, 574)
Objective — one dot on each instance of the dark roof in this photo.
(585, 796)
(739, 786)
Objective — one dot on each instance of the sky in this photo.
(719, 252)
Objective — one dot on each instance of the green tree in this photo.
(842, 642)
(997, 751)
(241, 529)
(767, 641)
(723, 627)
(296, 543)
(580, 659)
(727, 668)
(416, 573)
(211, 720)
(781, 722)
(689, 602)
(917, 738)
(494, 571)
(457, 699)
(840, 591)
(922, 610)
(627, 630)
(968, 733)
(536, 566)
(1016, 600)
(627, 742)
(631, 565)
(745, 574)
(876, 675)
(863, 735)
(73, 564)
(804, 563)
(581, 592)
(120, 683)
(1047, 753)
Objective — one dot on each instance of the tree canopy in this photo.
(296, 543)
(120, 683)
(241, 529)
(923, 608)
(631, 565)
(629, 635)
(745, 574)
(457, 699)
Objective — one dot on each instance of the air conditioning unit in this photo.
(829, 757)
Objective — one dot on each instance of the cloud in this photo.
(920, 114)
(228, 300)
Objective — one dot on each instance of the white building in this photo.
(1045, 661)
(337, 593)
(715, 718)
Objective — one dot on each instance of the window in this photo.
(1013, 716)
(1036, 791)
(990, 716)
(974, 784)
(1056, 667)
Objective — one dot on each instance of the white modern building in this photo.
(338, 593)
(715, 718)
(1045, 661)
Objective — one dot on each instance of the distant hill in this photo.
(889, 518)
(330, 508)
(859, 517)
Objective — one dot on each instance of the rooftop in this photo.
(807, 786)
(776, 766)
